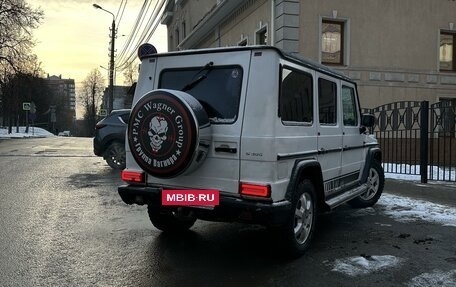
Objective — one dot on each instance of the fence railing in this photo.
(417, 138)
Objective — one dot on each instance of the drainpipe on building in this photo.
(272, 33)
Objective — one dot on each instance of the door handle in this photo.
(226, 149)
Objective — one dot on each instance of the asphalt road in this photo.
(62, 223)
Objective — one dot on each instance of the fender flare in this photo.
(298, 173)
(374, 153)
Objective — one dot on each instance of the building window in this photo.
(296, 96)
(447, 41)
(261, 36)
(327, 102)
(332, 42)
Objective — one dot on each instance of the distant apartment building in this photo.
(62, 112)
(63, 91)
(395, 50)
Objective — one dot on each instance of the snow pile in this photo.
(33, 132)
(361, 265)
(406, 209)
(437, 278)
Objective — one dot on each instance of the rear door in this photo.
(329, 131)
(222, 94)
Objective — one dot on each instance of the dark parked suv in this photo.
(109, 140)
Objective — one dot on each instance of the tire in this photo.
(298, 231)
(115, 155)
(169, 133)
(375, 182)
(175, 221)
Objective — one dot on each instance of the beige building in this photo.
(395, 49)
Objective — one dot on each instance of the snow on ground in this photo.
(33, 132)
(412, 172)
(361, 265)
(436, 278)
(406, 209)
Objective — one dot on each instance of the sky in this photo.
(73, 38)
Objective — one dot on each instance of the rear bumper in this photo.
(229, 209)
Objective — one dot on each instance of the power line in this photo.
(147, 33)
(121, 13)
(133, 45)
(134, 30)
(117, 14)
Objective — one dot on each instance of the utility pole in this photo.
(111, 59)
(111, 66)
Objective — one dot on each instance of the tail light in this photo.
(133, 176)
(255, 190)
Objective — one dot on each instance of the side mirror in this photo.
(368, 120)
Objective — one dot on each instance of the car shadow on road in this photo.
(220, 252)
(231, 254)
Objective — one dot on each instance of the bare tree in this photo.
(17, 20)
(91, 97)
(130, 74)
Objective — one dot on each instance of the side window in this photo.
(327, 102)
(349, 106)
(296, 96)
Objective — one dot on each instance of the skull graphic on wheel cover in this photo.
(157, 133)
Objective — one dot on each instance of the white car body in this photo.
(258, 146)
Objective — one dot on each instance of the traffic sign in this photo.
(26, 106)
(103, 112)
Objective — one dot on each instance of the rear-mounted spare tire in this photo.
(169, 133)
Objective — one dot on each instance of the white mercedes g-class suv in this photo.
(247, 134)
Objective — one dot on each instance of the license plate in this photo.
(190, 197)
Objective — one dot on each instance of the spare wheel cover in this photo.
(163, 132)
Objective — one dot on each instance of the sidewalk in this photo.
(434, 191)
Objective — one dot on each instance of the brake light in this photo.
(255, 190)
(132, 176)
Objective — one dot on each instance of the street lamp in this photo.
(111, 61)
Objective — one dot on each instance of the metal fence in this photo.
(417, 138)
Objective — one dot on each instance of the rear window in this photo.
(218, 88)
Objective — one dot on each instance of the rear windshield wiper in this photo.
(198, 80)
